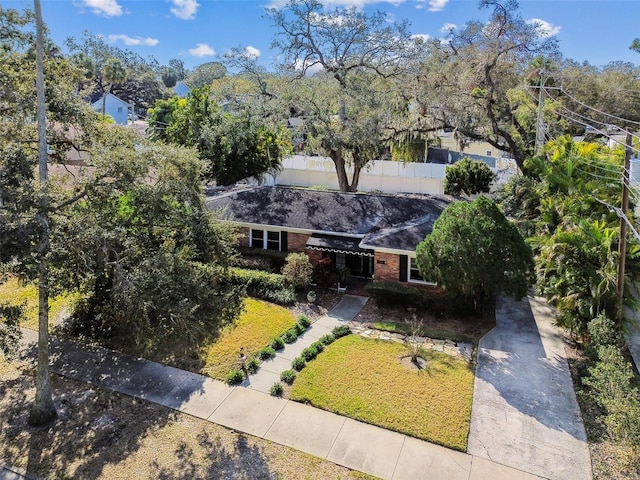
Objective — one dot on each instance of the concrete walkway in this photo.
(356, 445)
(270, 370)
(525, 412)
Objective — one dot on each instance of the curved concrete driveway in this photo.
(525, 414)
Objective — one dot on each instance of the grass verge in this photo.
(258, 324)
(366, 380)
(106, 435)
(14, 293)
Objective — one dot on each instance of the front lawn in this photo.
(14, 293)
(258, 324)
(366, 380)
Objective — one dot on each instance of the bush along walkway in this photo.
(270, 370)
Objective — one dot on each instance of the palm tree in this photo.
(113, 72)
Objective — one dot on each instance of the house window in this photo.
(273, 241)
(119, 109)
(489, 152)
(266, 239)
(413, 273)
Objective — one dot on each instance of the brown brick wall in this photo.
(243, 240)
(386, 267)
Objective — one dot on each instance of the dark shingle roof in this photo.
(387, 221)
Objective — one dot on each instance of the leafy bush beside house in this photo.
(475, 253)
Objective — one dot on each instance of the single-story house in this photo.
(372, 236)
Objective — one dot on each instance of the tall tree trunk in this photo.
(43, 409)
(341, 171)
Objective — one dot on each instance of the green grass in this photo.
(364, 379)
(14, 293)
(258, 324)
(407, 329)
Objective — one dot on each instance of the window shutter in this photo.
(404, 260)
(284, 247)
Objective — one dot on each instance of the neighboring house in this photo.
(372, 236)
(118, 109)
(181, 89)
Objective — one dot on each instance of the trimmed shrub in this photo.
(340, 331)
(263, 285)
(234, 377)
(277, 343)
(300, 328)
(309, 353)
(290, 335)
(328, 339)
(298, 363)
(387, 294)
(297, 270)
(318, 345)
(252, 365)
(288, 376)
(276, 389)
(285, 296)
(266, 353)
(304, 321)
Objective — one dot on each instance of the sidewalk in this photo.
(356, 445)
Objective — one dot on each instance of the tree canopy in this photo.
(234, 145)
(355, 52)
(468, 177)
(475, 253)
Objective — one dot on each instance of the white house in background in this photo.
(116, 108)
(181, 89)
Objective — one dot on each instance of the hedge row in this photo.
(386, 294)
(262, 285)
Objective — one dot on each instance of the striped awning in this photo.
(337, 244)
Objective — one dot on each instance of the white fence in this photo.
(383, 176)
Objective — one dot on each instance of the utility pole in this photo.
(622, 245)
(540, 119)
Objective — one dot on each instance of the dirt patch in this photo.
(464, 328)
(417, 365)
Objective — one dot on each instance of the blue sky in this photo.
(199, 31)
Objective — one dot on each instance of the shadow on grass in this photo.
(215, 461)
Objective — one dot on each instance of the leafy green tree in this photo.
(356, 52)
(475, 253)
(234, 145)
(468, 177)
(468, 82)
(144, 250)
(204, 75)
(141, 86)
(113, 72)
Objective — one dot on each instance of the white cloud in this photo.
(251, 52)
(127, 40)
(437, 5)
(185, 9)
(310, 69)
(202, 50)
(545, 29)
(448, 27)
(108, 8)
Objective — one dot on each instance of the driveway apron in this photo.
(525, 414)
